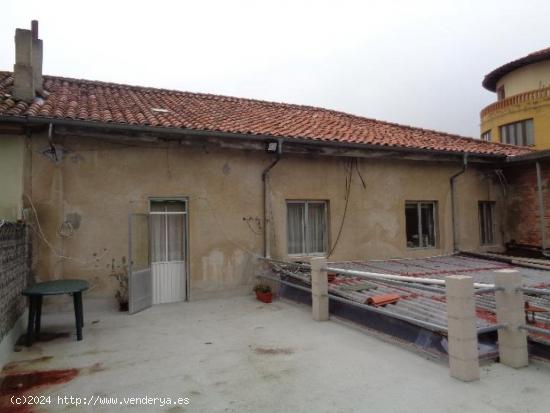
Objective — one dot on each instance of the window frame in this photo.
(482, 212)
(435, 215)
(504, 131)
(306, 245)
(487, 136)
(501, 93)
(166, 213)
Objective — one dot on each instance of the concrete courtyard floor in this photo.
(239, 355)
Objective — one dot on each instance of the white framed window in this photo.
(420, 223)
(486, 136)
(307, 232)
(167, 230)
(518, 133)
(486, 222)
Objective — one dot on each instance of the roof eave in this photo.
(113, 127)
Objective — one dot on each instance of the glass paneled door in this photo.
(168, 247)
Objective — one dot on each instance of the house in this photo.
(521, 115)
(184, 191)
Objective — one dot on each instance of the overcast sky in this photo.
(412, 62)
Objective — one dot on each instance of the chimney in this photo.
(27, 71)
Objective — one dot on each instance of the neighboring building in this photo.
(521, 115)
(194, 188)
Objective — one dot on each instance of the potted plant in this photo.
(263, 293)
(120, 273)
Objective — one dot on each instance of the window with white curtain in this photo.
(167, 230)
(307, 227)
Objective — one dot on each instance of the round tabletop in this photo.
(56, 287)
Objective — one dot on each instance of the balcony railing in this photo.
(543, 93)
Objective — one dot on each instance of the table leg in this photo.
(38, 316)
(30, 324)
(77, 299)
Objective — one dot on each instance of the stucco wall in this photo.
(101, 183)
(530, 77)
(12, 152)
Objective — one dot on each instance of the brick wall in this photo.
(522, 222)
(15, 259)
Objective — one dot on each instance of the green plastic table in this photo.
(58, 287)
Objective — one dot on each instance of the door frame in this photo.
(184, 199)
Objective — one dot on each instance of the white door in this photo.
(168, 246)
(140, 290)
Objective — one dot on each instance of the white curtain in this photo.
(158, 238)
(316, 227)
(167, 232)
(296, 226)
(176, 232)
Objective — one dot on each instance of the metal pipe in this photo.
(299, 287)
(423, 324)
(420, 323)
(417, 287)
(267, 203)
(532, 329)
(541, 210)
(490, 329)
(536, 291)
(488, 290)
(454, 219)
(376, 276)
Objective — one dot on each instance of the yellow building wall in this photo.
(526, 78)
(12, 154)
(536, 109)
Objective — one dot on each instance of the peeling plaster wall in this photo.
(12, 152)
(98, 184)
(375, 224)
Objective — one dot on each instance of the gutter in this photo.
(267, 203)
(454, 219)
(111, 127)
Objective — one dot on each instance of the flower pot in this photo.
(264, 297)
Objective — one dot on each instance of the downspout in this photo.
(541, 211)
(267, 203)
(453, 201)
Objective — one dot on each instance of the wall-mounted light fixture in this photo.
(272, 146)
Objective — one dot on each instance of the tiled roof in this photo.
(491, 79)
(132, 105)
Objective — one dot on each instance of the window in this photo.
(486, 136)
(518, 133)
(167, 230)
(420, 224)
(487, 222)
(500, 93)
(307, 227)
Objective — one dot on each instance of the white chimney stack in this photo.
(27, 71)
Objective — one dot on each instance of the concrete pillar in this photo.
(462, 334)
(512, 342)
(319, 289)
(23, 75)
(36, 57)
